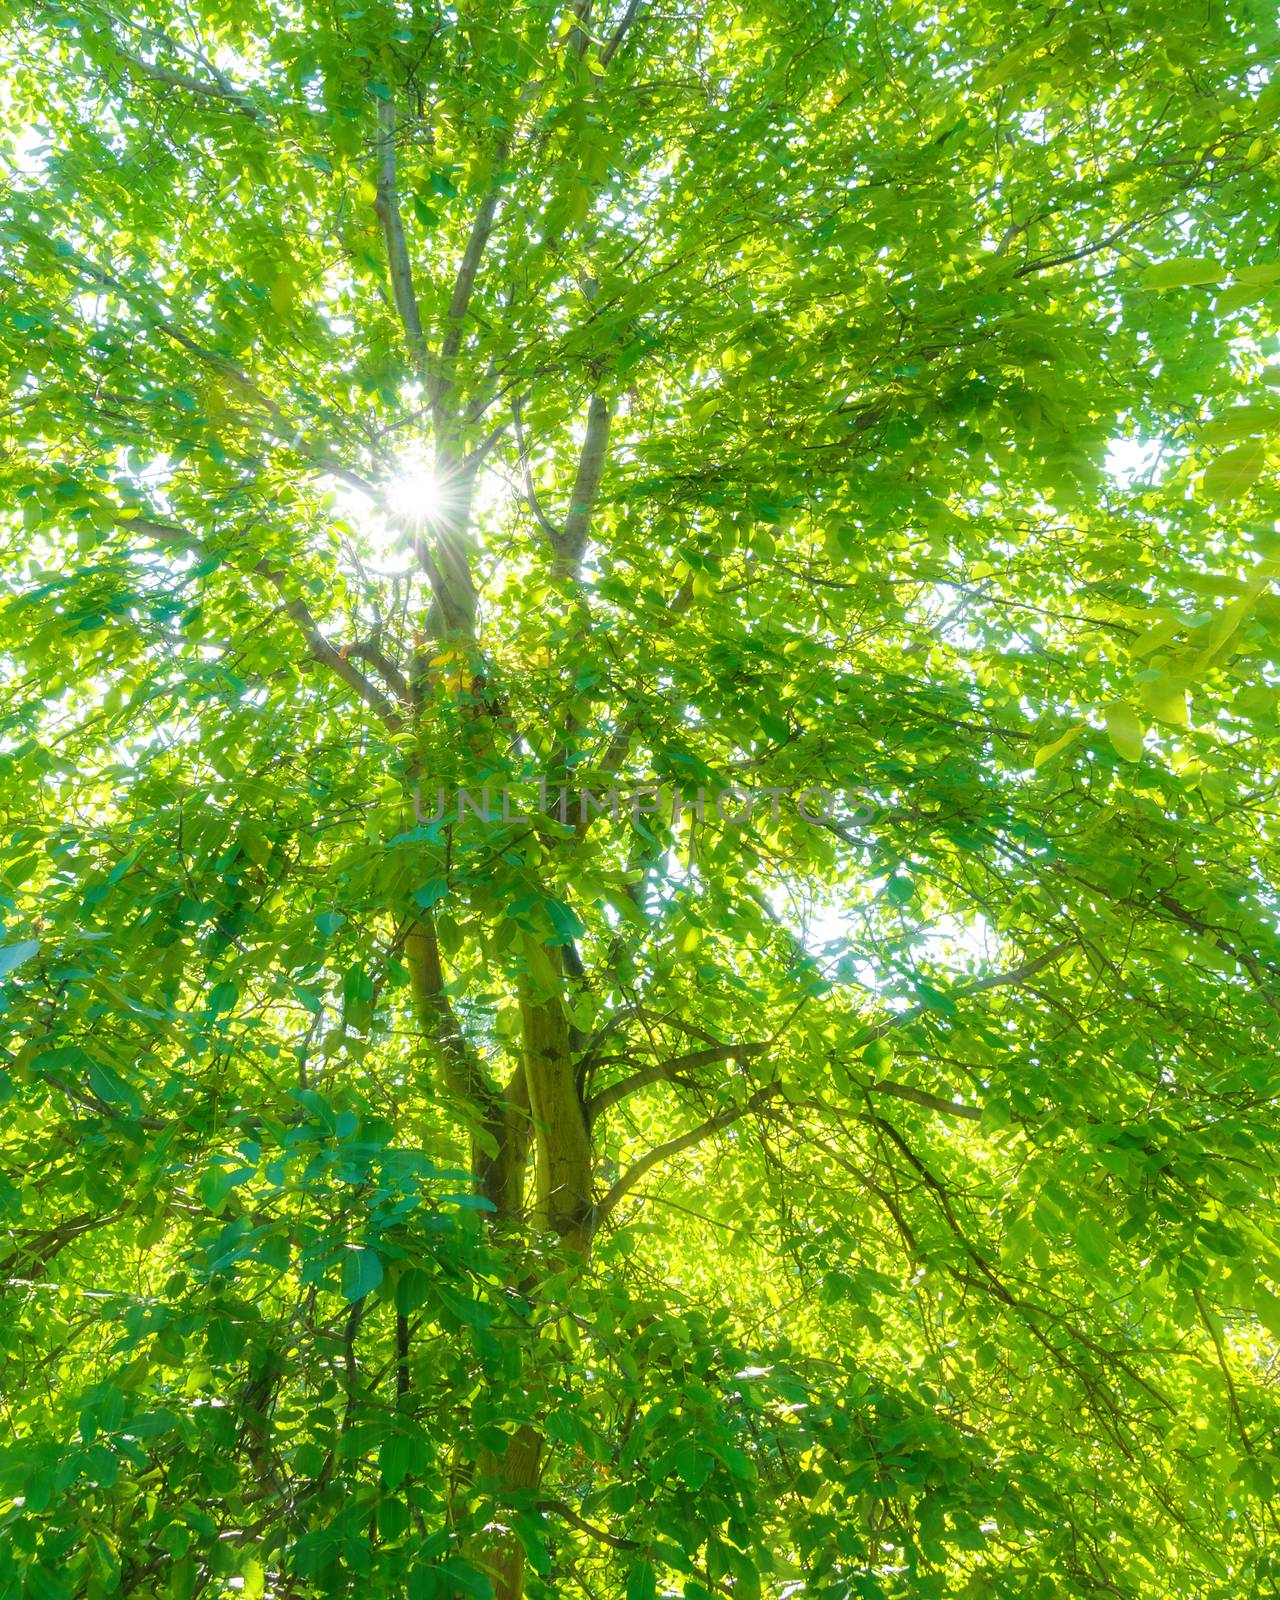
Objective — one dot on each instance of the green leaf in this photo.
(568, 926)
(357, 986)
(1267, 1306)
(12, 956)
(642, 1583)
(223, 998)
(413, 1289)
(395, 1460)
(313, 1002)
(426, 1583)
(1092, 1242)
(693, 1465)
(466, 1578)
(472, 1313)
(361, 1273)
(878, 1055)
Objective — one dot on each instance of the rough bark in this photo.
(563, 1161)
(501, 1129)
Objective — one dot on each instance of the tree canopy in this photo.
(848, 1166)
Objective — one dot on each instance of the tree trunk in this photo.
(564, 1204)
(540, 1103)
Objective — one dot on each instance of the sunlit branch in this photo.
(685, 1141)
(387, 206)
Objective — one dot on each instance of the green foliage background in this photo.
(770, 358)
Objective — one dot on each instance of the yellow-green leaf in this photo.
(1046, 752)
(1125, 730)
(1241, 422)
(1160, 633)
(1230, 618)
(1236, 298)
(1184, 272)
(1264, 273)
(1165, 698)
(1230, 475)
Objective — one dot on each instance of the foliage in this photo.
(818, 395)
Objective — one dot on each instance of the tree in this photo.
(842, 1163)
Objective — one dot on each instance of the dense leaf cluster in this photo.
(872, 397)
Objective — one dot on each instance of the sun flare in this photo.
(415, 496)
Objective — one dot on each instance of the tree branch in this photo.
(995, 980)
(391, 674)
(586, 485)
(568, 1514)
(387, 205)
(221, 90)
(922, 1097)
(300, 613)
(463, 287)
(531, 494)
(452, 585)
(669, 1071)
(684, 1141)
(620, 32)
